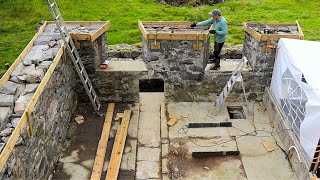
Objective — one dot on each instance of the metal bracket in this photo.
(198, 45)
(155, 44)
(29, 124)
(77, 44)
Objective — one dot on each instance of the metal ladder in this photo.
(55, 12)
(235, 77)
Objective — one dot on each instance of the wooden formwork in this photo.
(85, 36)
(274, 37)
(26, 116)
(198, 34)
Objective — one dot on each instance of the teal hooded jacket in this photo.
(220, 26)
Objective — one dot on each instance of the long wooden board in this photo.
(103, 144)
(117, 151)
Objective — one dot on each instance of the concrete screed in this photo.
(155, 151)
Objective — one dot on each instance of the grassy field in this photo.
(19, 18)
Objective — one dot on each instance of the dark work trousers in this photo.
(216, 52)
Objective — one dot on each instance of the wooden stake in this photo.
(118, 147)
(103, 143)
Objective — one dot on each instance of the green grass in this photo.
(19, 18)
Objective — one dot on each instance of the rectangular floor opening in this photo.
(236, 112)
(151, 85)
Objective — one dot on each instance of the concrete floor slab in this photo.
(272, 165)
(252, 145)
(197, 111)
(151, 98)
(241, 127)
(186, 167)
(148, 170)
(149, 129)
(148, 154)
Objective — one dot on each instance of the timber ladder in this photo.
(55, 12)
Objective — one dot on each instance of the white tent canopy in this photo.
(296, 86)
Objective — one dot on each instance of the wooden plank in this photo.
(100, 31)
(84, 23)
(80, 36)
(142, 29)
(281, 24)
(23, 120)
(276, 37)
(253, 33)
(103, 143)
(166, 23)
(117, 151)
(178, 36)
(300, 30)
(7, 75)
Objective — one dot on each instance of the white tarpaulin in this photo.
(296, 86)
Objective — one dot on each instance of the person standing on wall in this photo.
(220, 32)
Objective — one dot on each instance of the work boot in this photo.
(215, 67)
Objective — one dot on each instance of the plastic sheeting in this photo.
(296, 86)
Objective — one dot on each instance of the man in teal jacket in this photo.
(220, 32)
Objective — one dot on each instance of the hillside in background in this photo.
(19, 18)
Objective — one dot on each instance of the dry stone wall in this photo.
(34, 158)
(261, 60)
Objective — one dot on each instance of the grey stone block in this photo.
(42, 40)
(44, 65)
(9, 88)
(18, 70)
(35, 76)
(5, 113)
(15, 122)
(30, 88)
(6, 100)
(21, 103)
(6, 132)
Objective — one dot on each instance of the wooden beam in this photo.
(166, 23)
(7, 75)
(24, 118)
(187, 35)
(142, 29)
(178, 36)
(100, 31)
(274, 37)
(300, 30)
(117, 151)
(103, 143)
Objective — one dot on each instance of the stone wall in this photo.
(93, 54)
(177, 64)
(261, 60)
(34, 158)
(117, 86)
